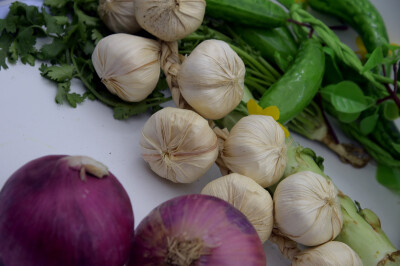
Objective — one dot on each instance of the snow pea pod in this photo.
(300, 83)
(360, 15)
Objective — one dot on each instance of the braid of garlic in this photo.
(171, 65)
(287, 247)
(222, 135)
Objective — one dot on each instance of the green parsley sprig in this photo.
(68, 31)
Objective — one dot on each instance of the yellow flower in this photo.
(273, 111)
(392, 48)
(362, 51)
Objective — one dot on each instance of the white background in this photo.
(33, 125)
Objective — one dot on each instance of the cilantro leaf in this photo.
(26, 42)
(122, 111)
(5, 43)
(52, 50)
(96, 36)
(75, 98)
(60, 73)
(56, 3)
(62, 90)
(54, 24)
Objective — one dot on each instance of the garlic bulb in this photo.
(211, 79)
(256, 148)
(248, 197)
(128, 65)
(178, 144)
(119, 15)
(307, 209)
(331, 253)
(170, 20)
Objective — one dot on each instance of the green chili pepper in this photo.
(298, 86)
(360, 15)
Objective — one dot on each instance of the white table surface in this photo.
(33, 125)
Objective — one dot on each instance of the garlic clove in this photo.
(118, 15)
(178, 144)
(170, 20)
(248, 197)
(211, 79)
(256, 148)
(307, 209)
(331, 253)
(128, 65)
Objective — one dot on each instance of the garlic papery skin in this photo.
(307, 209)
(170, 20)
(118, 15)
(332, 253)
(256, 148)
(178, 144)
(128, 65)
(248, 197)
(211, 79)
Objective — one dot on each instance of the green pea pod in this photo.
(256, 13)
(298, 86)
(360, 15)
(270, 42)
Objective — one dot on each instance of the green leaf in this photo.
(88, 48)
(5, 43)
(390, 110)
(85, 19)
(332, 71)
(375, 59)
(58, 73)
(62, 90)
(54, 24)
(52, 50)
(75, 98)
(96, 36)
(13, 53)
(25, 42)
(396, 146)
(55, 3)
(10, 24)
(389, 177)
(30, 59)
(125, 111)
(368, 123)
(348, 117)
(346, 97)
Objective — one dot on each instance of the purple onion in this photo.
(196, 230)
(64, 210)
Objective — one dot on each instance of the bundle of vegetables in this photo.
(260, 33)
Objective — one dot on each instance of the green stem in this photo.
(251, 61)
(259, 81)
(268, 66)
(383, 79)
(254, 85)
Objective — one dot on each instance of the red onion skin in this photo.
(231, 239)
(50, 216)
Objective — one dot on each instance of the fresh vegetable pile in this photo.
(241, 73)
